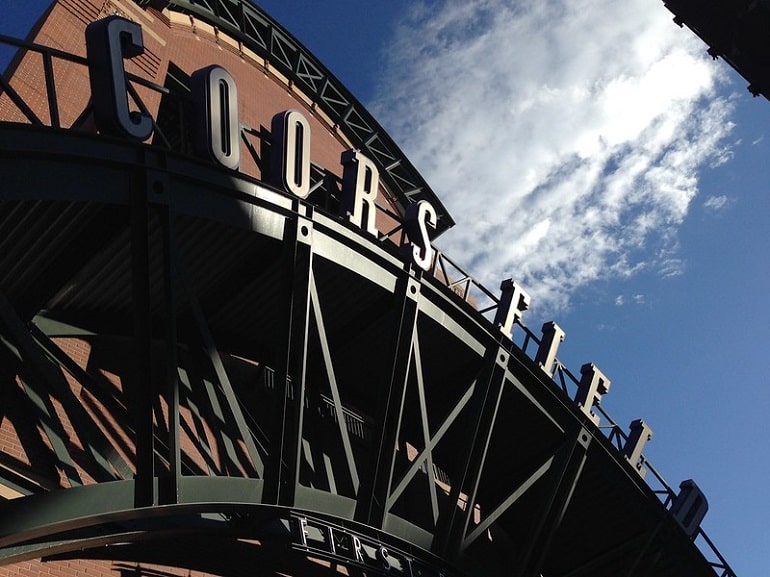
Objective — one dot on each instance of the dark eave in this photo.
(736, 31)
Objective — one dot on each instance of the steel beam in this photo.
(204, 390)
(520, 490)
(453, 522)
(255, 463)
(430, 444)
(16, 476)
(568, 466)
(105, 460)
(199, 434)
(315, 305)
(372, 502)
(255, 460)
(625, 549)
(89, 432)
(420, 382)
(41, 524)
(36, 381)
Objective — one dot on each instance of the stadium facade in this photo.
(228, 345)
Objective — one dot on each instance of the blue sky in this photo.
(592, 151)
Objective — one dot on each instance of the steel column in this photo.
(282, 471)
(169, 491)
(141, 395)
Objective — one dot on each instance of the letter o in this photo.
(290, 153)
(216, 130)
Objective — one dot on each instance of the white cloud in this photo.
(637, 298)
(716, 203)
(565, 137)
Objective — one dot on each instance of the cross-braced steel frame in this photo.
(253, 361)
(272, 359)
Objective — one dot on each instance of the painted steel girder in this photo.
(95, 515)
(446, 347)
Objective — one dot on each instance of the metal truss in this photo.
(254, 359)
(273, 359)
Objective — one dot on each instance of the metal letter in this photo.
(384, 557)
(418, 217)
(108, 42)
(593, 384)
(303, 530)
(360, 181)
(357, 549)
(553, 336)
(689, 507)
(216, 128)
(640, 434)
(514, 300)
(290, 153)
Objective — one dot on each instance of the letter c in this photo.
(108, 42)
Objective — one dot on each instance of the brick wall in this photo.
(25, 447)
(85, 568)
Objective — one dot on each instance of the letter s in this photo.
(419, 216)
(384, 556)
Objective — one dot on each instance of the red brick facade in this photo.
(190, 45)
(187, 43)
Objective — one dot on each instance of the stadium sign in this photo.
(216, 133)
(332, 542)
(216, 138)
